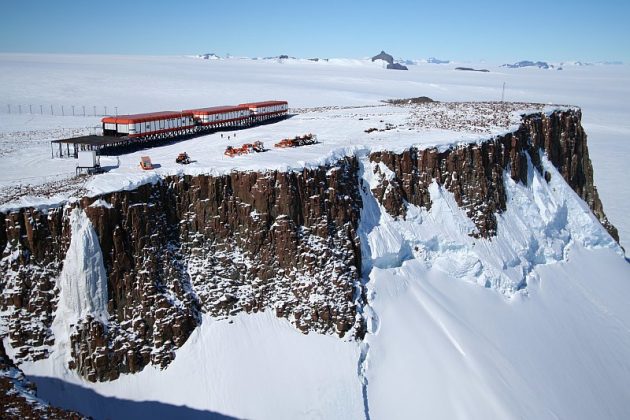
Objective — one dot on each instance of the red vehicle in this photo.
(255, 147)
(297, 141)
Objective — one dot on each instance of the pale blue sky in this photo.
(461, 30)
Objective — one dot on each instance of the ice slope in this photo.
(447, 349)
(534, 323)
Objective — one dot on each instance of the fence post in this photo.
(30, 109)
(73, 110)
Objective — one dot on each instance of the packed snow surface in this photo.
(534, 323)
(251, 366)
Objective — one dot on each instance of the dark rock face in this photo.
(250, 242)
(474, 172)
(18, 396)
(33, 245)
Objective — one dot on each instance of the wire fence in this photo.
(59, 110)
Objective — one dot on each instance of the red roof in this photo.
(265, 103)
(217, 109)
(151, 116)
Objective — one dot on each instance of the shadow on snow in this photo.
(90, 403)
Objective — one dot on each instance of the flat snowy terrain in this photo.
(141, 84)
(533, 324)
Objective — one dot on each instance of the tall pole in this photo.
(503, 93)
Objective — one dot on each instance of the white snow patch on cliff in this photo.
(83, 281)
(82, 286)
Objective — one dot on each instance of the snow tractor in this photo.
(297, 141)
(255, 147)
(145, 163)
(183, 158)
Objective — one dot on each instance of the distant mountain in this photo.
(279, 57)
(384, 56)
(390, 61)
(433, 60)
(209, 56)
(597, 63)
(525, 63)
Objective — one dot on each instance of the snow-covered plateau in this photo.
(440, 260)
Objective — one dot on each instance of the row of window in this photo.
(225, 116)
(272, 108)
(150, 126)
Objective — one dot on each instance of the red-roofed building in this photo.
(267, 109)
(157, 124)
(220, 116)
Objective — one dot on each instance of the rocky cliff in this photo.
(280, 241)
(247, 241)
(474, 173)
